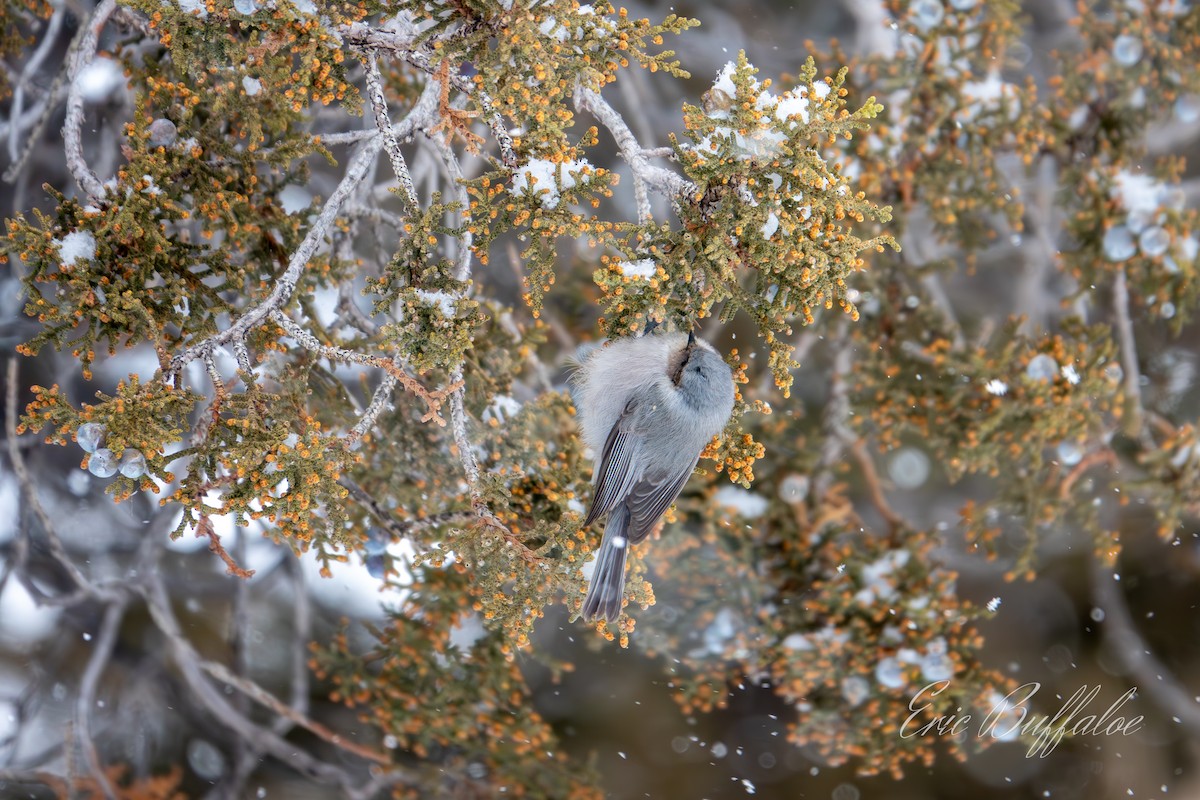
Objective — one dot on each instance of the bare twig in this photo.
(27, 486)
(346, 137)
(78, 61)
(383, 396)
(379, 401)
(1131, 650)
(350, 312)
(376, 215)
(239, 616)
(242, 354)
(462, 442)
(1105, 456)
(57, 784)
(932, 284)
(310, 342)
(837, 411)
(400, 130)
(462, 267)
(39, 116)
(249, 756)
(1129, 357)
(377, 784)
(875, 487)
(636, 109)
(421, 115)
(1039, 261)
(805, 342)
(466, 455)
(30, 118)
(87, 693)
(268, 700)
(49, 37)
(133, 19)
(662, 180)
(204, 527)
(301, 634)
(987, 327)
(402, 529)
(916, 352)
(1171, 137)
(214, 375)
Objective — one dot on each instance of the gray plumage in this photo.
(647, 408)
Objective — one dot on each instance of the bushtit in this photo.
(647, 407)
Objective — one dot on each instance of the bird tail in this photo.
(608, 580)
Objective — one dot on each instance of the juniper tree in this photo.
(353, 243)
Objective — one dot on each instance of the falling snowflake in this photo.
(997, 387)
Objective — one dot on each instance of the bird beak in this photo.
(691, 338)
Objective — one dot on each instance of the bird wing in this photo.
(620, 464)
(622, 477)
(650, 499)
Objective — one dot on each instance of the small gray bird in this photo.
(647, 406)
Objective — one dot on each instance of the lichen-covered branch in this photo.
(383, 123)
